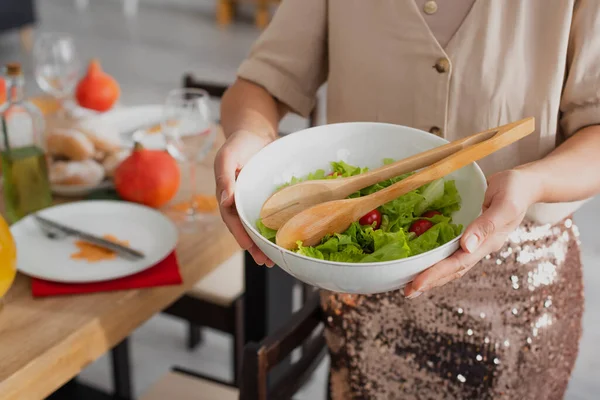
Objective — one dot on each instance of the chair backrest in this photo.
(217, 90)
(299, 331)
(260, 358)
(214, 89)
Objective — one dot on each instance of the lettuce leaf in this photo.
(392, 251)
(449, 202)
(439, 234)
(310, 252)
(388, 246)
(401, 212)
(348, 254)
(361, 244)
(431, 192)
(268, 233)
(343, 169)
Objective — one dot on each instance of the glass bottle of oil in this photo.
(22, 150)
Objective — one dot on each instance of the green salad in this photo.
(412, 224)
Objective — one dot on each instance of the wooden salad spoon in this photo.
(291, 200)
(312, 224)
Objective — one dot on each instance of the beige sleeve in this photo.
(290, 58)
(580, 104)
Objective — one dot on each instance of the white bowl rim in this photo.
(252, 227)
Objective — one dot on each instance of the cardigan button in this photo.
(436, 131)
(442, 65)
(430, 7)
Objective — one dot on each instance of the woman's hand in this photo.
(509, 195)
(231, 158)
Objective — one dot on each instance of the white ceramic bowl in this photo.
(358, 143)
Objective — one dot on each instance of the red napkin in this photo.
(166, 272)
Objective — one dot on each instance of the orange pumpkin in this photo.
(97, 90)
(149, 177)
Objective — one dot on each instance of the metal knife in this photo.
(123, 251)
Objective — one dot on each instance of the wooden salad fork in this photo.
(291, 200)
(333, 213)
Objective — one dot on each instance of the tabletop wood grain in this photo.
(46, 342)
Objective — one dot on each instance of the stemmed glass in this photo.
(57, 66)
(189, 134)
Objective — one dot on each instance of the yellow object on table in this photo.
(8, 259)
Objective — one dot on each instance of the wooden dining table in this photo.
(46, 342)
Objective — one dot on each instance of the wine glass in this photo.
(189, 134)
(57, 66)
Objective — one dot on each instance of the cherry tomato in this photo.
(420, 226)
(371, 217)
(431, 214)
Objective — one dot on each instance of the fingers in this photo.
(410, 292)
(230, 216)
(239, 233)
(259, 257)
(479, 239)
(445, 271)
(232, 220)
(226, 171)
(476, 233)
(225, 174)
(454, 267)
(503, 209)
(483, 227)
(496, 216)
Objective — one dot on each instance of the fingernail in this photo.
(414, 295)
(224, 196)
(471, 243)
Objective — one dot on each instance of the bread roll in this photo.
(86, 172)
(99, 156)
(104, 137)
(71, 144)
(112, 161)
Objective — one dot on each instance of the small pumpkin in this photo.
(97, 90)
(149, 177)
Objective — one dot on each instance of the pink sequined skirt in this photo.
(509, 329)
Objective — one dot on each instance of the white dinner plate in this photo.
(127, 119)
(145, 229)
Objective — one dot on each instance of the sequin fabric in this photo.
(509, 329)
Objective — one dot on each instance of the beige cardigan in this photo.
(382, 62)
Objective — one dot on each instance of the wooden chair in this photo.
(259, 359)
(217, 301)
(226, 10)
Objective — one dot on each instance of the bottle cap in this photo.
(13, 69)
